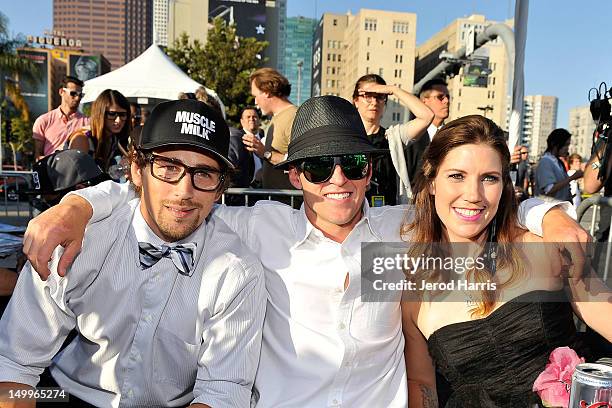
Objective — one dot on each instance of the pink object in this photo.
(53, 128)
(554, 383)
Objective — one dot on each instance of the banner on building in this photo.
(476, 72)
(316, 60)
(248, 15)
(86, 67)
(36, 93)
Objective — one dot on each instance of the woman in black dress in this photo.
(489, 341)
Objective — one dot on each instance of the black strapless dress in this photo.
(494, 361)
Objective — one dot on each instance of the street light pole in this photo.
(300, 64)
(485, 109)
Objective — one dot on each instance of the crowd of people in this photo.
(151, 293)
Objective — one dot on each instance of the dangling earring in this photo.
(491, 246)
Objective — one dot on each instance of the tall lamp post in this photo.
(300, 64)
(485, 109)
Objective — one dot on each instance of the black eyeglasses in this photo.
(74, 94)
(320, 169)
(173, 170)
(112, 115)
(371, 96)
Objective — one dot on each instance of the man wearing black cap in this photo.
(168, 305)
(322, 344)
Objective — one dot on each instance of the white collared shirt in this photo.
(145, 336)
(432, 130)
(322, 346)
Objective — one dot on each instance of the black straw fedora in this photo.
(327, 126)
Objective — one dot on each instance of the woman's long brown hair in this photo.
(427, 228)
(98, 109)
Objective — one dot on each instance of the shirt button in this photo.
(335, 402)
(341, 326)
(147, 318)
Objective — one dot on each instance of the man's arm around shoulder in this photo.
(231, 342)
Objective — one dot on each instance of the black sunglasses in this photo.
(112, 115)
(320, 169)
(74, 94)
(441, 96)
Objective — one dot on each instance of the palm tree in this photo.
(11, 66)
(12, 69)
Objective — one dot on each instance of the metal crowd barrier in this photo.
(13, 188)
(596, 202)
(259, 193)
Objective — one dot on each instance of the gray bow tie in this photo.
(181, 255)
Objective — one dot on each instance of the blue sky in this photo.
(567, 51)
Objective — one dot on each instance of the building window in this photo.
(380, 71)
(339, 57)
(334, 57)
(367, 70)
(401, 27)
(368, 42)
(367, 56)
(335, 22)
(328, 56)
(370, 24)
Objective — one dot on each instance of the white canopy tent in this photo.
(151, 75)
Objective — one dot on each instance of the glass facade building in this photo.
(298, 56)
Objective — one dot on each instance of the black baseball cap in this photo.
(187, 122)
(65, 169)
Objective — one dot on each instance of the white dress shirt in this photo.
(322, 346)
(432, 130)
(145, 337)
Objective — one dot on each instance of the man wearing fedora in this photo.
(322, 345)
(167, 302)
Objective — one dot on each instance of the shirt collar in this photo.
(304, 228)
(431, 131)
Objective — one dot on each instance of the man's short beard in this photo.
(170, 232)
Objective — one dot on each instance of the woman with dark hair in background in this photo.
(110, 127)
(490, 341)
(370, 98)
(551, 176)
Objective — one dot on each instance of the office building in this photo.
(581, 126)
(298, 56)
(186, 16)
(348, 46)
(539, 119)
(483, 94)
(161, 16)
(119, 29)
